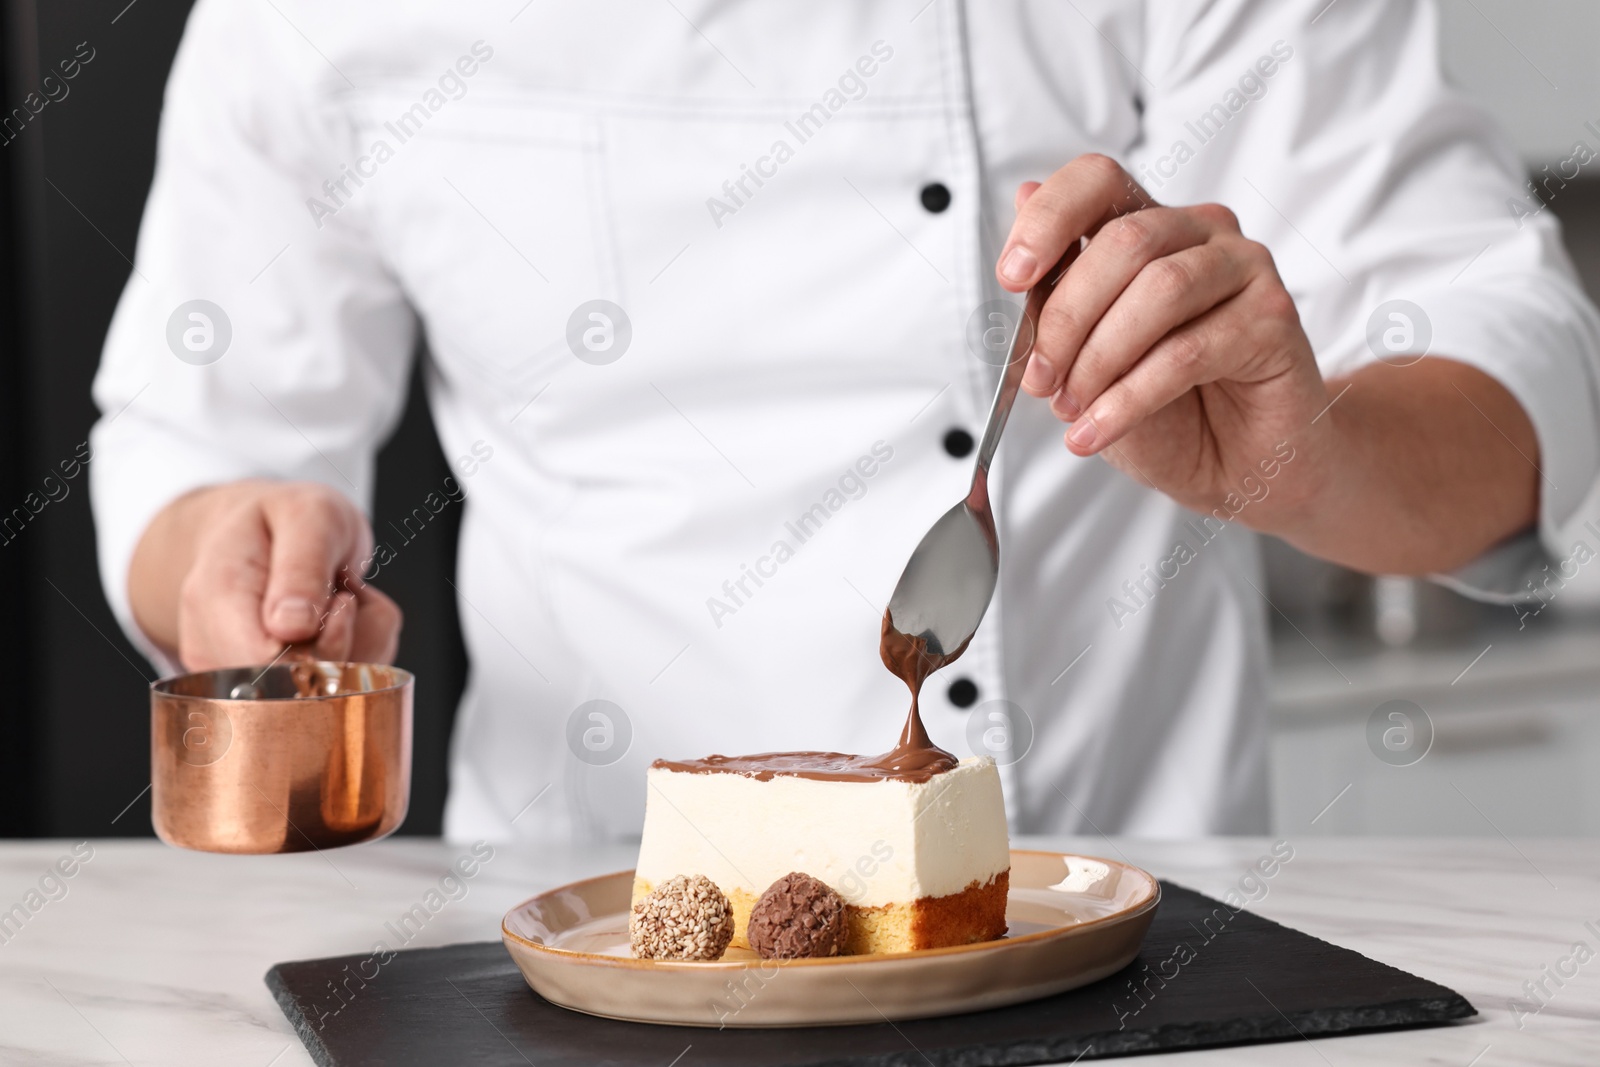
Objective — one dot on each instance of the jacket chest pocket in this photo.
(750, 246)
(493, 214)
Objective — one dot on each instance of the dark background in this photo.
(74, 734)
(74, 712)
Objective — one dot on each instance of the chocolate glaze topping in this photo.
(915, 758)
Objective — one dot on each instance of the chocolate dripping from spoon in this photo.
(915, 758)
(908, 659)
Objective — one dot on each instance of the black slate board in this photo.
(1239, 979)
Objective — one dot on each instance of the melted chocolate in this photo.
(822, 766)
(915, 758)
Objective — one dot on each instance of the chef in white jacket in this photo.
(709, 295)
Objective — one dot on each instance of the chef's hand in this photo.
(1171, 345)
(1175, 352)
(228, 575)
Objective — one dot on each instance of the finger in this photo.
(1072, 203)
(1103, 271)
(1024, 191)
(1197, 353)
(377, 630)
(219, 603)
(1163, 296)
(314, 532)
(336, 636)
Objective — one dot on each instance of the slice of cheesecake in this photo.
(920, 863)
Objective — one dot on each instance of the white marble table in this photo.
(155, 956)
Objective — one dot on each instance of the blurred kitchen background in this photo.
(1506, 709)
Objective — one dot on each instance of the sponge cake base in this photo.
(976, 913)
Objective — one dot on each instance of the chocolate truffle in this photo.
(797, 917)
(684, 918)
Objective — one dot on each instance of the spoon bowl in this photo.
(950, 579)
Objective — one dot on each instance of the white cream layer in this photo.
(876, 843)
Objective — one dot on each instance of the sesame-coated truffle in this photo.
(684, 918)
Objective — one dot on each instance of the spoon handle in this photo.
(1017, 362)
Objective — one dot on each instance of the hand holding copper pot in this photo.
(299, 755)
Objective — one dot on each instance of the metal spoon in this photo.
(302, 655)
(950, 577)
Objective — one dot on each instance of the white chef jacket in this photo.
(791, 331)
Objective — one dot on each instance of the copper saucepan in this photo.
(296, 756)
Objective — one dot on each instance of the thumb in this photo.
(315, 533)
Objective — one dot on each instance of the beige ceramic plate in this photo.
(1073, 920)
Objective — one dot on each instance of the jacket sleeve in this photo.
(1331, 132)
(255, 337)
